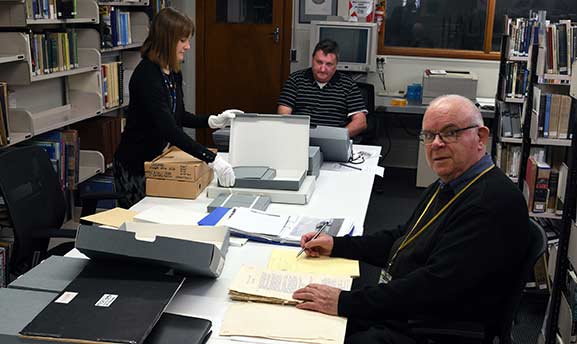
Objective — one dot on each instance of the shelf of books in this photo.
(124, 3)
(121, 29)
(47, 55)
(24, 13)
(560, 323)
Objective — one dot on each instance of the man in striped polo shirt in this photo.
(328, 96)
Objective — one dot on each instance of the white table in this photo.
(343, 193)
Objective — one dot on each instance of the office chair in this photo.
(36, 204)
(368, 93)
(501, 325)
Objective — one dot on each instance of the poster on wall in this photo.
(362, 10)
(316, 10)
(318, 7)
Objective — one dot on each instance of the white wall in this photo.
(400, 71)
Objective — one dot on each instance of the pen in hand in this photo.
(320, 228)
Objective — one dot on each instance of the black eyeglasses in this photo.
(449, 135)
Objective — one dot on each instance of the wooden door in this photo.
(242, 55)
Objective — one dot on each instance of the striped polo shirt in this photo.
(330, 105)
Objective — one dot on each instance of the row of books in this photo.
(508, 159)
(515, 80)
(115, 28)
(112, 84)
(519, 30)
(4, 130)
(511, 125)
(560, 42)
(544, 186)
(553, 113)
(53, 51)
(63, 148)
(51, 9)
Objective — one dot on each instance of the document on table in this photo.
(280, 322)
(113, 217)
(169, 216)
(286, 260)
(261, 285)
(276, 228)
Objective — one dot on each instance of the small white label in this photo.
(66, 297)
(106, 300)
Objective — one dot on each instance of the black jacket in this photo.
(150, 124)
(458, 268)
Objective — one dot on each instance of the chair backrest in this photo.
(368, 93)
(537, 247)
(33, 195)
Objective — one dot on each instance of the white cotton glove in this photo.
(222, 119)
(224, 171)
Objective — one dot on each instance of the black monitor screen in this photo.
(353, 43)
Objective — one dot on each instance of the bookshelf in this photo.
(545, 138)
(44, 100)
(13, 14)
(559, 323)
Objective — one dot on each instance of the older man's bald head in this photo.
(458, 104)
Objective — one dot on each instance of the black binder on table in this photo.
(172, 328)
(106, 303)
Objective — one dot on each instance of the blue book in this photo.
(547, 116)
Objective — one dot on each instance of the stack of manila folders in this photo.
(270, 312)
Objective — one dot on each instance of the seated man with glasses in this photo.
(455, 256)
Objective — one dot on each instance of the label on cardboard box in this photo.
(174, 164)
(176, 188)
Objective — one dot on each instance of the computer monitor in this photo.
(357, 43)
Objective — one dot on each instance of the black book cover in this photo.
(106, 303)
(172, 328)
(65, 9)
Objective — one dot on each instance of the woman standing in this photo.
(156, 113)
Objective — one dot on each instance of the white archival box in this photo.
(276, 141)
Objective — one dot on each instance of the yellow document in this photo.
(113, 217)
(261, 285)
(282, 323)
(286, 260)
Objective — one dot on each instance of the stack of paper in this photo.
(261, 285)
(271, 317)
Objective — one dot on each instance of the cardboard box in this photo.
(177, 189)
(189, 250)
(175, 164)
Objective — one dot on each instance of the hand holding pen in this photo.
(317, 243)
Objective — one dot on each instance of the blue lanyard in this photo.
(171, 87)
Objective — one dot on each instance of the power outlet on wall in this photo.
(293, 55)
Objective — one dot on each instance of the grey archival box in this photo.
(187, 257)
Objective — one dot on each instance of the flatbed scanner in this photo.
(440, 82)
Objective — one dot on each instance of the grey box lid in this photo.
(17, 308)
(186, 257)
(53, 274)
(228, 200)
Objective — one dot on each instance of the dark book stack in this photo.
(516, 79)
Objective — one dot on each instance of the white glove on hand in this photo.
(222, 119)
(224, 171)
